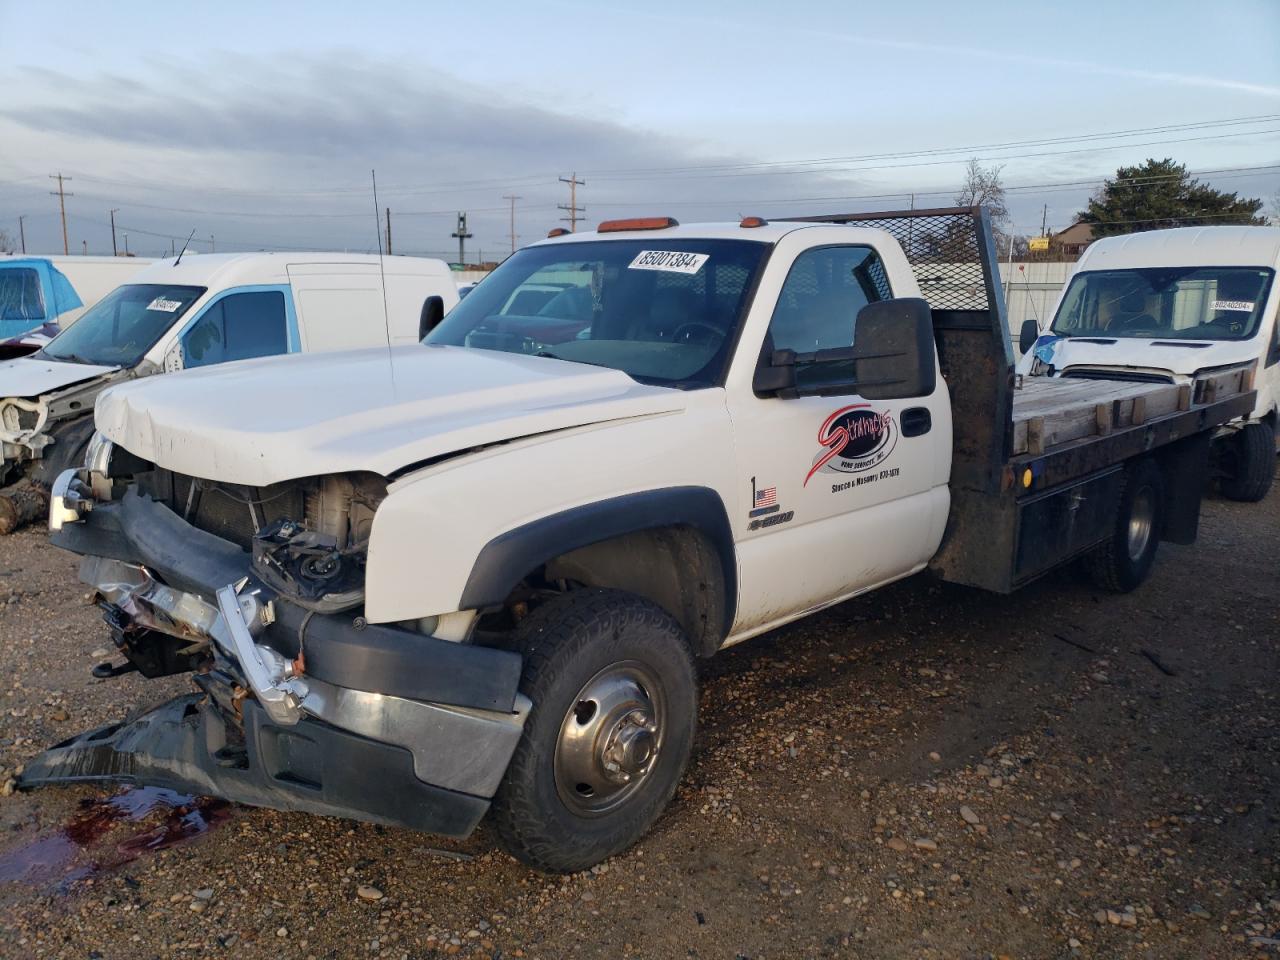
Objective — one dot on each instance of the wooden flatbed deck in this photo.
(1050, 411)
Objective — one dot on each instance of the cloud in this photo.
(281, 154)
(1075, 66)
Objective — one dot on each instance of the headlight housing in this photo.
(104, 459)
(97, 455)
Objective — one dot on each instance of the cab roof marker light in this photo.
(556, 232)
(750, 222)
(637, 223)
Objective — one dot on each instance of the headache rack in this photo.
(1036, 470)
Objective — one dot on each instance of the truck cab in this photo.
(198, 311)
(1166, 306)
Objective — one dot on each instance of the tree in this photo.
(1160, 193)
(6, 242)
(982, 187)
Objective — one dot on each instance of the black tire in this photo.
(1250, 462)
(550, 812)
(1124, 560)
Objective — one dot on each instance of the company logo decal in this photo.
(856, 438)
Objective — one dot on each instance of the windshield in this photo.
(1165, 303)
(123, 325)
(661, 311)
(20, 295)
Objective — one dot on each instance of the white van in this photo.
(41, 295)
(1170, 305)
(199, 310)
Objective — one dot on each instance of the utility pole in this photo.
(388, 231)
(211, 241)
(513, 198)
(462, 236)
(114, 252)
(1044, 220)
(22, 233)
(126, 245)
(84, 247)
(62, 205)
(572, 207)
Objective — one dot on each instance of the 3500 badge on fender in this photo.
(855, 438)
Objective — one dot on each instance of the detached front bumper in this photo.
(298, 711)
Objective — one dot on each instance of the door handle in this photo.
(916, 421)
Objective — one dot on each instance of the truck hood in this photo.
(1177, 358)
(28, 377)
(259, 422)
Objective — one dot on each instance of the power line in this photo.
(62, 205)
(709, 169)
(513, 198)
(572, 207)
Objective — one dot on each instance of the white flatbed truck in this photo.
(472, 576)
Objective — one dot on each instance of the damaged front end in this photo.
(300, 704)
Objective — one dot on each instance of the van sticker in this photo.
(1045, 348)
(1244, 306)
(167, 306)
(857, 439)
(672, 261)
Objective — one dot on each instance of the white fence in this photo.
(1032, 292)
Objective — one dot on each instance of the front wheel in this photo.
(1123, 561)
(614, 696)
(1250, 462)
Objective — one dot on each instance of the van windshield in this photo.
(121, 327)
(664, 311)
(20, 296)
(1165, 303)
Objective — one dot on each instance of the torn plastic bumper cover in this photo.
(187, 745)
(371, 722)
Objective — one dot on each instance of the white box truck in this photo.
(1167, 306)
(198, 311)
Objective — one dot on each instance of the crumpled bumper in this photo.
(298, 711)
(189, 745)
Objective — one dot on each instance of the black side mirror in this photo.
(891, 358)
(432, 314)
(893, 350)
(1027, 337)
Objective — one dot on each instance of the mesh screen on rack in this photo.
(942, 249)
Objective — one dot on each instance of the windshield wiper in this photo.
(555, 356)
(71, 358)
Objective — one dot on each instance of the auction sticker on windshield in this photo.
(1243, 306)
(673, 261)
(168, 306)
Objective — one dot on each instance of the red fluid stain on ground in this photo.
(91, 841)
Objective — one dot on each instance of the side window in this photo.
(237, 327)
(822, 296)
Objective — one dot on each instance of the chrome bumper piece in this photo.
(69, 500)
(458, 748)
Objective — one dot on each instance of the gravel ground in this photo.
(927, 772)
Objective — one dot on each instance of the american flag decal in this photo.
(763, 500)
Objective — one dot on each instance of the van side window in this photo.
(822, 295)
(237, 327)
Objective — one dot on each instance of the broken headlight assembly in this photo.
(104, 459)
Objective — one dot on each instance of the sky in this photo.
(258, 125)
